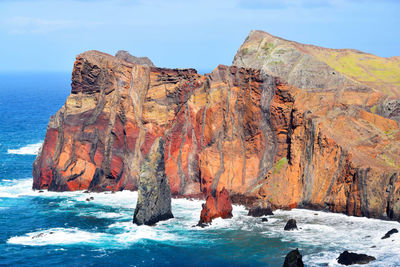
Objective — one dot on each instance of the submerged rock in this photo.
(388, 234)
(349, 258)
(154, 195)
(291, 225)
(38, 235)
(216, 206)
(293, 259)
(260, 209)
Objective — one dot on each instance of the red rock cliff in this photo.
(235, 128)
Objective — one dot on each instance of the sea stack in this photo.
(154, 194)
(216, 206)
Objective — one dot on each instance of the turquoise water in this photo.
(47, 228)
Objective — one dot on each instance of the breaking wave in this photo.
(321, 236)
(31, 149)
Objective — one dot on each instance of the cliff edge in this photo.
(259, 137)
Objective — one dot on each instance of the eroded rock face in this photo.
(216, 206)
(235, 128)
(154, 195)
(214, 126)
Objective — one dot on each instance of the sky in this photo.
(46, 35)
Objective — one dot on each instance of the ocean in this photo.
(64, 229)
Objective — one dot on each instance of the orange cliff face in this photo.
(235, 128)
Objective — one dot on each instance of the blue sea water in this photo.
(64, 229)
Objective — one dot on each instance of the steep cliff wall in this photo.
(215, 127)
(235, 128)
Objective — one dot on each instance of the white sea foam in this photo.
(57, 236)
(16, 188)
(132, 233)
(328, 233)
(31, 149)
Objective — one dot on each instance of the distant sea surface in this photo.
(52, 229)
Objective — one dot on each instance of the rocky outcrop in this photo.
(349, 258)
(389, 233)
(291, 225)
(293, 259)
(154, 195)
(260, 209)
(124, 55)
(237, 128)
(216, 206)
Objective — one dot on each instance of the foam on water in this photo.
(56, 236)
(15, 188)
(31, 149)
(321, 236)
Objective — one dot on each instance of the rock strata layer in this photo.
(260, 138)
(154, 195)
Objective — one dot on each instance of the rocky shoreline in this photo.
(300, 140)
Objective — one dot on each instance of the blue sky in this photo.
(43, 35)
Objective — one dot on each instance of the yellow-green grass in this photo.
(362, 67)
(279, 165)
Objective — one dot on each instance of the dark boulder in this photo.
(154, 193)
(293, 259)
(291, 225)
(259, 210)
(349, 258)
(388, 234)
(264, 219)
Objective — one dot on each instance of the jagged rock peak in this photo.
(124, 55)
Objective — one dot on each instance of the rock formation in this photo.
(216, 206)
(293, 259)
(309, 139)
(260, 209)
(389, 233)
(124, 55)
(349, 258)
(291, 224)
(154, 195)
